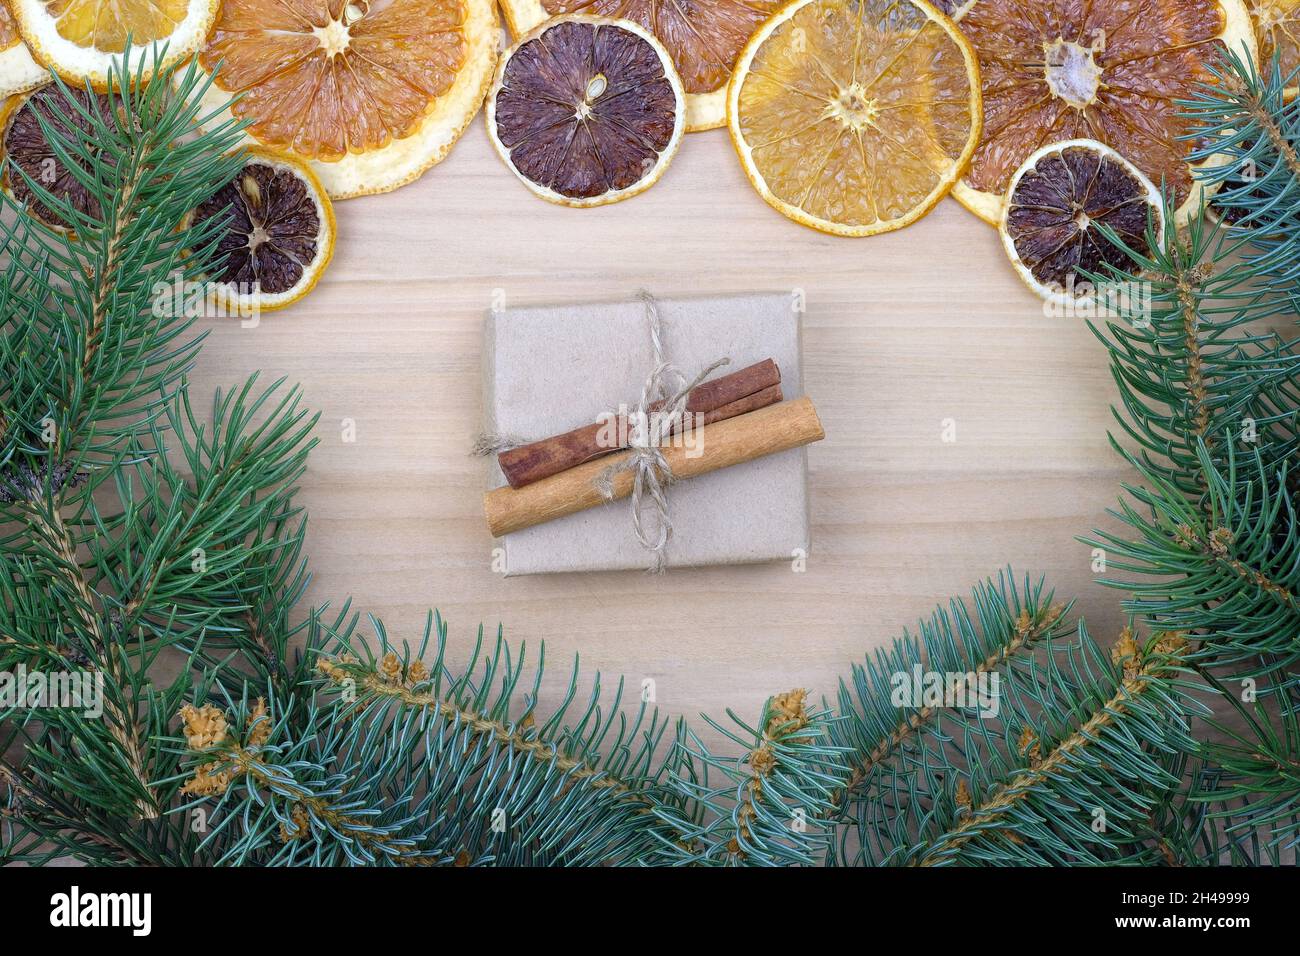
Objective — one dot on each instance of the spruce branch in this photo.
(998, 816)
(1008, 622)
(1011, 774)
(462, 772)
(765, 806)
(1210, 542)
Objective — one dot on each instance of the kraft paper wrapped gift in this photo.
(548, 370)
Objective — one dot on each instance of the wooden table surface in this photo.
(901, 332)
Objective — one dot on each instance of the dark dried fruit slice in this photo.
(26, 147)
(586, 110)
(1108, 70)
(1054, 205)
(703, 39)
(276, 233)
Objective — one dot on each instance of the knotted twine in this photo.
(647, 433)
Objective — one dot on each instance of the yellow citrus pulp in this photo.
(855, 117)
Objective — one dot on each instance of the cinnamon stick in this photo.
(717, 399)
(725, 443)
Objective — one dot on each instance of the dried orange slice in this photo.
(86, 39)
(703, 39)
(370, 94)
(1108, 70)
(587, 110)
(855, 117)
(29, 151)
(1055, 203)
(18, 71)
(275, 233)
(1277, 26)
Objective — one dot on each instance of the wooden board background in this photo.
(901, 332)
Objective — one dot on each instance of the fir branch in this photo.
(764, 807)
(459, 780)
(94, 291)
(995, 815)
(1010, 622)
(1008, 775)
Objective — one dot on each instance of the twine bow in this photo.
(647, 433)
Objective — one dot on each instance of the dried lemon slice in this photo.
(371, 95)
(703, 39)
(587, 110)
(86, 39)
(1277, 26)
(855, 117)
(1109, 70)
(1055, 204)
(275, 234)
(18, 71)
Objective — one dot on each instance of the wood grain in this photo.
(902, 333)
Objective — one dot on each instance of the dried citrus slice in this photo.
(275, 233)
(1055, 203)
(18, 71)
(28, 150)
(86, 39)
(1277, 26)
(587, 110)
(1109, 70)
(703, 39)
(371, 94)
(855, 116)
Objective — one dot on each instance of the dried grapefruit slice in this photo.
(86, 39)
(275, 233)
(1055, 202)
(18, 71)
(371, 94)
(855, 117)
(1277, 26)
(27, 149)
(587, 110)
(1109, 70)
(703, 39)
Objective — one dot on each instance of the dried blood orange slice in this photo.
(587, 110)
(1277, 26)
(1055, 203)
(18, 71)
(703, 39)
(372, 94)
(86, 39)
(275, 233)
(1109, 70)
(855, 117)
(28, 150)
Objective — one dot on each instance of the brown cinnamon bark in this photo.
(732, 442)
(744, 391)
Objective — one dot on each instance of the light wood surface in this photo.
(901, 332)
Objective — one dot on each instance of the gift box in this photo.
(551, 369)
